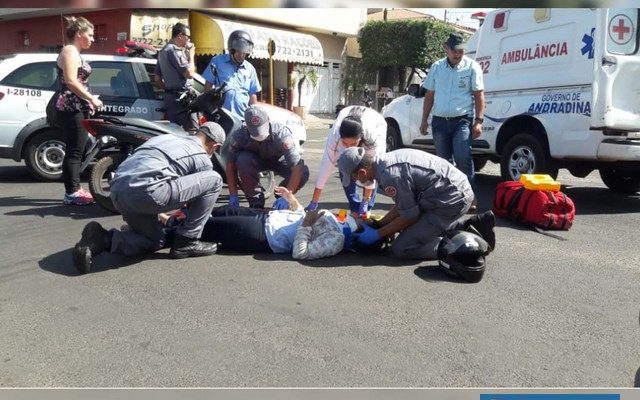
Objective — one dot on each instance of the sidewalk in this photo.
(318, 121)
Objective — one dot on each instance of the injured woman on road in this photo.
(306, 235)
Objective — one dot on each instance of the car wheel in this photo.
(100, 181)
(394, 140)
(44, 155)
(524, 154)
(621, 181)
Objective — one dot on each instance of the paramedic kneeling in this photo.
(164, 174)
(430, 195)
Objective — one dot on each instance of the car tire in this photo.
(44, 154)
(101, 175)
(394, 140)
(524, 154)
(621, 181)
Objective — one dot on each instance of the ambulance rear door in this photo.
(616, 84)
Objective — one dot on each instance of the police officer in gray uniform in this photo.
(431, 196)
(263, 145)
(174, 72)
(166, 173)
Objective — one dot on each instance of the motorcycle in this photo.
(116, 138)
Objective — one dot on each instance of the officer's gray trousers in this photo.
(140, 211)
(421, 240)
(249, 167)
(177, 113)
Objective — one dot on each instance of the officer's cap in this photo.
(213, 131)
(348, 162)
(257, 122)
(456, 42)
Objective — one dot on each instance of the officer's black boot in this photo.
(95, 239)
(184, 247)
(483, 225)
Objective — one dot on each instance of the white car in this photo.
(125, 86)
(404, 115)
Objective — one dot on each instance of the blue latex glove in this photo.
(363, 208)
(281, 204)
(368, 236)
(313, 205)
(234, 200)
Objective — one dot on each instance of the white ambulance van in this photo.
(562, 90)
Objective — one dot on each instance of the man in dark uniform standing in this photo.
(164, 174)
(431, 196)
(174, 72)
(263, 145)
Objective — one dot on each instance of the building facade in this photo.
(305, 39)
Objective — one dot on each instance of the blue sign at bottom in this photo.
(556, 396)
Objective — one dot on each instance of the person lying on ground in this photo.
(306, 235)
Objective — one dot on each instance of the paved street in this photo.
(548, 313)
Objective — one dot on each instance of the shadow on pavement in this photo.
(62, 262)
(593, 201)
(51, 207)
(433, 273)
(344, 259)
(15, 174)
(636, 382)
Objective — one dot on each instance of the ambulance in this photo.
(562, 90)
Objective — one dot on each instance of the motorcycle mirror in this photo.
(214, 71)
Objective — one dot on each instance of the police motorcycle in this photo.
(117, 138)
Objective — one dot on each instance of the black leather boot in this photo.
(184, 247)
(483, 224)
(95, 240)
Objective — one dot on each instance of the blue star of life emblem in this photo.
(588, 44)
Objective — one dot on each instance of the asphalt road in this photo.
(548, 313)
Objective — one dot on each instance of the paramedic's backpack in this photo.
(544, 209)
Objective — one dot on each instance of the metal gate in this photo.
(328, 91)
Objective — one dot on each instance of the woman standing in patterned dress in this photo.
(74, 104)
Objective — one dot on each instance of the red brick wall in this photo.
(49, 31)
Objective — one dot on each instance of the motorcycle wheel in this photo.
(101, 175)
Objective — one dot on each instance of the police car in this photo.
(124, 84)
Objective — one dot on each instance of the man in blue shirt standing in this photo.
(239, 74)
(454, 88)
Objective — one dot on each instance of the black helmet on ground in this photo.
(240, 41)
(461, 254)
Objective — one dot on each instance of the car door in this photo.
(617, 62)
(122, 87)
(24, 94)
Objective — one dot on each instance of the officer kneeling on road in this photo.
(164, 174)
(431, 197)
(260, 146)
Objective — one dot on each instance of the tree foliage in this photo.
(403, 43)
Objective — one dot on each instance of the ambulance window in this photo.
(33, 76)
(622, 37)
